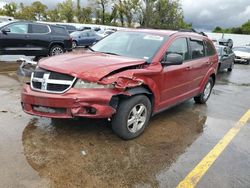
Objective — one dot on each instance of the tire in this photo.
(74, 44)
(56, 50)
(218, 69)
(231, 67)
(137, 109)
(204, 96)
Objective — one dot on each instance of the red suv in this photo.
(127, 77)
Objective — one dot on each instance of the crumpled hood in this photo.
(89, 66)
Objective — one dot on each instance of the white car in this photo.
(242, 54)
(106, 33)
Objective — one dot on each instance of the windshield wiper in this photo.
(111, 53)
(90, 49)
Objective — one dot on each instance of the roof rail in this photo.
(192, 30)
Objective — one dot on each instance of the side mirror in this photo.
(173, 59)
(6, 30)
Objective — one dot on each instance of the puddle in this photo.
(54, 149)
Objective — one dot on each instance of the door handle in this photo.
(189, 68)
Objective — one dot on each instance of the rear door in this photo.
(83, 39)
(38, 39)
(200, 63)
(14, 42)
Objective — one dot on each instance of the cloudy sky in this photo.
(203, 14)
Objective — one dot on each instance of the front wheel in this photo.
(132, 117)
(231, 67)
(204, 96)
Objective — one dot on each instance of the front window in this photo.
(180, 47)
(131, 44)
(20, 28)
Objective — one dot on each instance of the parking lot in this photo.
(39, 152)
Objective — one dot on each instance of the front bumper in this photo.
(89, 103)
(241, 60)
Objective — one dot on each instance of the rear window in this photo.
(209, 49)
(59, 30)
(37, 28)
(70, 27)
(197, 49)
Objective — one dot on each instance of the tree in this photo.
(130, 8)
(39, 10)
(85, 15)
(66, 10)
(167, 15)
(120, 11)
(217, 30)
(102, 5)
(25, 13)
(53, 15)
(246, 28)
(9, 10)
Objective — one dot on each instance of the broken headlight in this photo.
(84, 84)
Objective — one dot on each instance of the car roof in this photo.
(167, 32)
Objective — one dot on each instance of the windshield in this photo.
(242, 49)
(131, 44)
(76, 33)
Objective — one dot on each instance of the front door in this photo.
(176, 79)
(14, 42)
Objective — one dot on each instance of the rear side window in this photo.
(197, 49)
(59, 30)
(70, 27)
(209, 49)
(179, 46)
(37, 28)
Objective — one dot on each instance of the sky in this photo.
(203, 14)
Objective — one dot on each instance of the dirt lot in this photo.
(39, 152)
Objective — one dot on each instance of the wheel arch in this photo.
(54, 43)
(141, 90)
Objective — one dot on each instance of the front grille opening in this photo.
(39, 74)
(37, 85)
(51, 82)
(59, 76)
(49, 110)
(57, 87)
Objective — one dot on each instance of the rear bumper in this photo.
(89, 103)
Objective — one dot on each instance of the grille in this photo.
(51, 82)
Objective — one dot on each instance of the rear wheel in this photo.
(204, 96)
(132, 117)
(56, 50)
(74, 44)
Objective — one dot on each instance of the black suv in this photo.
(33, 39)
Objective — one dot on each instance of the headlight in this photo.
(84, 84)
